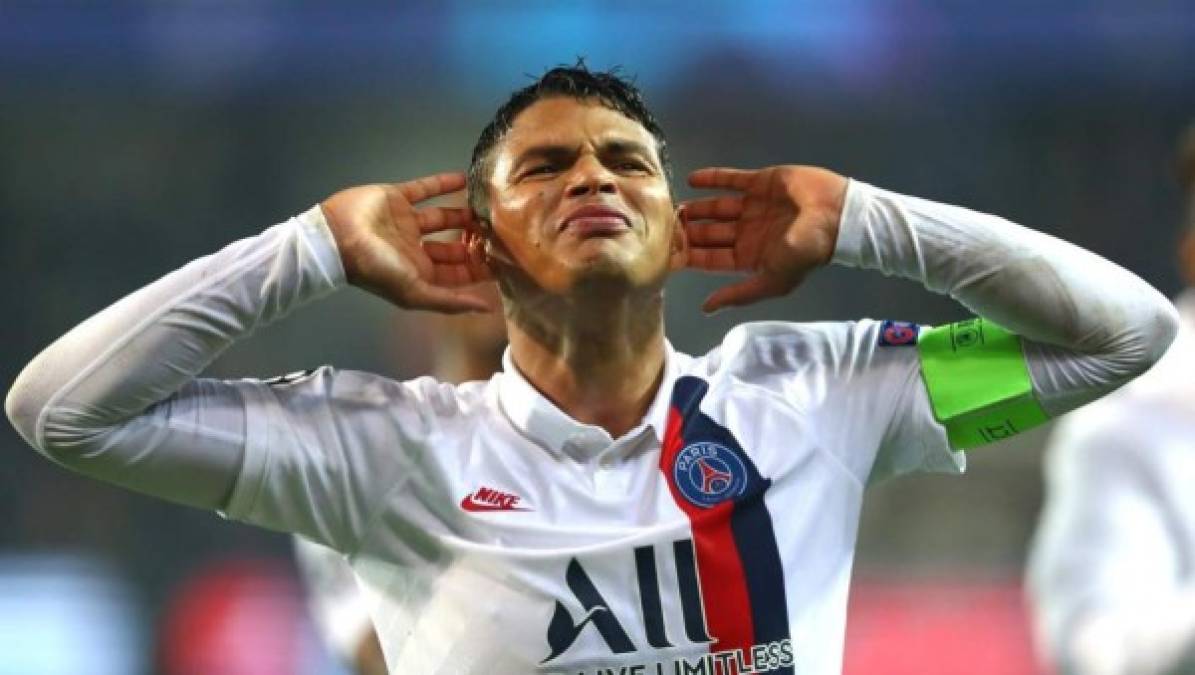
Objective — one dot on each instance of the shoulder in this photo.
(786, 347)
(361, 390)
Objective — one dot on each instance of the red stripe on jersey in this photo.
(719, 568)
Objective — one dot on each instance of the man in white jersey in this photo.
(1112, 569)
(606, 503)
(467, 347)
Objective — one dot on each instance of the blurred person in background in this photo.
(466, 348)
(1112, 568)
(605, 502)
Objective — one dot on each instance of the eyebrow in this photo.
(558, 151)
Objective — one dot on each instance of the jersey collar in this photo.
(537, 418)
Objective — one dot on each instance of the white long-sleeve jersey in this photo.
(338, 608)
(492, 533)
(1112, 569)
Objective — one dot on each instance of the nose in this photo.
(589, 177)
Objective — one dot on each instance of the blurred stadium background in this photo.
(135, 136)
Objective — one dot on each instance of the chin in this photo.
(606, 275)
(614, 276)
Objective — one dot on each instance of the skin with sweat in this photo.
(581, 234)
(585, 310)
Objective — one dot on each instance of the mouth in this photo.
(595, 220)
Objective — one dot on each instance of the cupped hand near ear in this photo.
(779, 223)
(380, 235)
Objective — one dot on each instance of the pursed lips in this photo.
(595, 221)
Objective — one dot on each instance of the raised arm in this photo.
(117, 398)
(1089, 325)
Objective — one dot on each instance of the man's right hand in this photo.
(379, 234)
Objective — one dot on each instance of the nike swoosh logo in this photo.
(469, 504)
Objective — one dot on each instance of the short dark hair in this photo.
(605, 87)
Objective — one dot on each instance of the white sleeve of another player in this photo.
(116, 397)
(1104, 575)
(339, 609)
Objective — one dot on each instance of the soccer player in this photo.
(606, 504)
(468, 347)
(1112, 569)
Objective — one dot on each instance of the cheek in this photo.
(657, 197)
(518, 220)
(533, 217)
(660, 210)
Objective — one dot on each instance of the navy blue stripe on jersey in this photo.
(750, 521)
(756, 541)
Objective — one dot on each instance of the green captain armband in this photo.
(978, 382)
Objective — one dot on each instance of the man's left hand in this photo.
(782, 223)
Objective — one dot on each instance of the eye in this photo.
(632, 165)
(540, 170)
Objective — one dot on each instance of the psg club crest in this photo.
(708, 474)
(898, 333)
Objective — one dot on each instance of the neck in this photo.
(599, 362)
(459, 362)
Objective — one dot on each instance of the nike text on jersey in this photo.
(489, 499)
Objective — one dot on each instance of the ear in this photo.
(485, 247)
(679, 257)
(475, 236)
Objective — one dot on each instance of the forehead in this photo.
(569, 121)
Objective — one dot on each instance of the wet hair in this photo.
(607, 88)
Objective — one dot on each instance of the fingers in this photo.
(456, 263)
(723, 178)
(711, 234)
(724, 207)
(446, 252)
(456, 275)
(745, 292)
(713, 259)
(427, 187)
(444, 218)
(445, 300)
